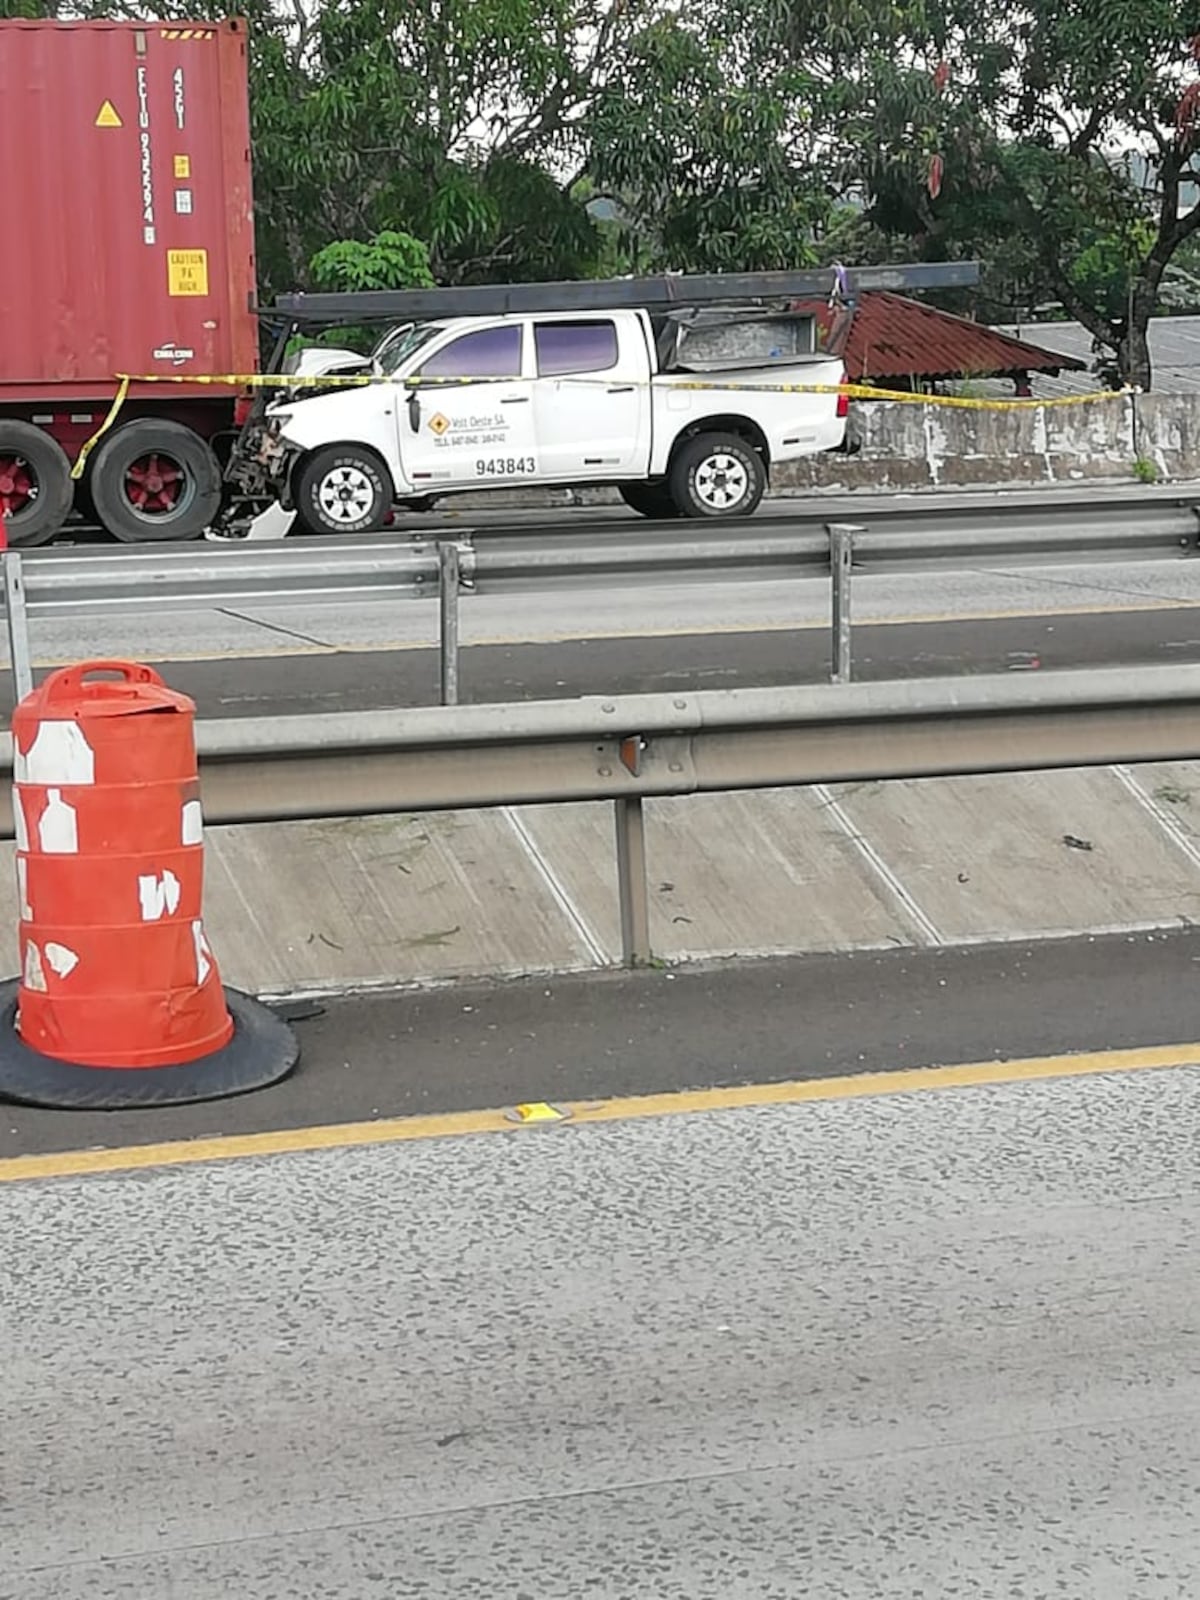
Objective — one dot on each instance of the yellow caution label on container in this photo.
(187, 272)
(107, 116)
(183, 166)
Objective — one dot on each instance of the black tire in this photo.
(153, 480)
(343, 477)
(648, 499)
(717, 475)
(36, 492)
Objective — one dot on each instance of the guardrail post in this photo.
(632, 887)
(17, 619)
(841, 560)
(449, 582)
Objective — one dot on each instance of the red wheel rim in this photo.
(155, 485)
(18, 485)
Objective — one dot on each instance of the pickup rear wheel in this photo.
(343, 489)
(717, 475)
(648, 499)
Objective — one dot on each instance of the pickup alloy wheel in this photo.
(343, 490)
(717, 475)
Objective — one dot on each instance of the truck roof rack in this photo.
(669, 291)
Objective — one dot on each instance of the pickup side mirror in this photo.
(414, 411)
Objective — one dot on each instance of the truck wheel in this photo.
(35, 483)
(717, 475)
(343, 489)
(648, 499)
(155, 480)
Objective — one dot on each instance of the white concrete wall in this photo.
(904, 446)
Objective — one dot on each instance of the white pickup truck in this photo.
(551, 400)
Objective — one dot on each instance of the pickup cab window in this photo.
(573, 347)
(489, 353)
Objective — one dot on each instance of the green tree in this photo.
(458, 121)
(388, 260)
(713, 134)
(1070, 126)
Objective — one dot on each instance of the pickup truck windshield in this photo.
(394, 349)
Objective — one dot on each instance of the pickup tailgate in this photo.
(782, 399)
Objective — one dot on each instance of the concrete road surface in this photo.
(662, 613)
(934, 1344)
(353, 680)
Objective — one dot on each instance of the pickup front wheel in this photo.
(343, 489)
(717, 475)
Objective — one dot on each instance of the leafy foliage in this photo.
(713, 134)
(450, 121)
(1066, 130)
(389, 260)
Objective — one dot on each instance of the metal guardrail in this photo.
(630, 748)
(912, 535)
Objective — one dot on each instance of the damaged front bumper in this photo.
(262, 467)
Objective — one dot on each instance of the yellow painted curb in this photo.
(458, 1124)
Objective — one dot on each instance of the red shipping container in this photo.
(127, 163)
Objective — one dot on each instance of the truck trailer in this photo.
(127, 150)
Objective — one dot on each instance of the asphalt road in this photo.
(939, 1344)
(362, 680)
(602, 1035)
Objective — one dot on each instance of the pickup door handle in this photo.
(515, 400)
(622, 388)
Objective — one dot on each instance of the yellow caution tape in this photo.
(113, 411)
(281, 380)
(854, 391)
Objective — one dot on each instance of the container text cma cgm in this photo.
(129, 167)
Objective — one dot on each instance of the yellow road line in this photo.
(304, 647)
(457, 1124)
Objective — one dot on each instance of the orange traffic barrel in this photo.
(119, 1001)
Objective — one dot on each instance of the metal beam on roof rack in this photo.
(662, 293)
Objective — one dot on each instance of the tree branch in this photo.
(1087, 316)
(1184, 228)
(1082, 140)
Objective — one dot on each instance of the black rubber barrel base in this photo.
(262, 1051)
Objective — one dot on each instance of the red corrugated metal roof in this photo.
(895, 338)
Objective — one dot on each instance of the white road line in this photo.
(1170, 825)
(925, 924)
(583, 928)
